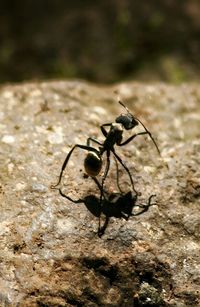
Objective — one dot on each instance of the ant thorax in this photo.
(117, 127)
(114, 136)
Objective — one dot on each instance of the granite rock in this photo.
(50, 252)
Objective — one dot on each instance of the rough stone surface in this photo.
(50, 254)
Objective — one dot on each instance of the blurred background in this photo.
(102, 41)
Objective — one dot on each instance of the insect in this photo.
(113, 137)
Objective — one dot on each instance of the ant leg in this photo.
(127, 170)
(103, 228)
(117, 168)
(89, 140)
(102, 184)
(67, 159)
(99, 186)
(97, 182)
(105, 174)
(141, 133)
(103, 130)
(131, 138)
(77, 201)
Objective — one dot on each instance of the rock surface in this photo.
(50, 252)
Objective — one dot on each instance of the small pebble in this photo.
(38, 187)
(8, 139)
(20, 186)
(55, 138)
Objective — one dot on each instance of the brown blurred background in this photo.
(102, 41)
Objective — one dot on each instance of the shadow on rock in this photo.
(113, 205)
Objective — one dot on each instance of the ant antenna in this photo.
(125, 107)
(147, 131)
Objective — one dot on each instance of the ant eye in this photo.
(134, 122)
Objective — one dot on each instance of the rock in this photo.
(51, 254)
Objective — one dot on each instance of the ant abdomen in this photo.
(93, 164)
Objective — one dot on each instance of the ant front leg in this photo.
(131, 138)
(103, 130)
(141, 133)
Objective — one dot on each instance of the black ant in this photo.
(93, 161)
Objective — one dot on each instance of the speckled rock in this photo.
(50, 252)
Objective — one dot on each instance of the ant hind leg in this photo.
(127, 170)
(102, 189)
(88, 148)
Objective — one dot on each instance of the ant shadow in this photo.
(116, 205)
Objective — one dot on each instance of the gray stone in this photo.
(50, 252)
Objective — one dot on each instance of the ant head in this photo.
(127, 120)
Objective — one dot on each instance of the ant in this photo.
(113, 137)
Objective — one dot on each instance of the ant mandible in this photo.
(93, 161)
